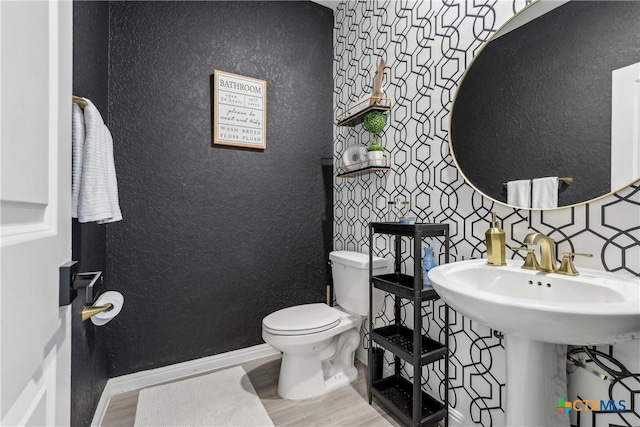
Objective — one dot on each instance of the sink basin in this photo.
(592, 308)
(539, 314)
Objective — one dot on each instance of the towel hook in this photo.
(80, 101)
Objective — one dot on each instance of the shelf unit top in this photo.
(423, 228)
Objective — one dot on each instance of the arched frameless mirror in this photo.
(554, 92)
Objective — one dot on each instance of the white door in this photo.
(35, 210)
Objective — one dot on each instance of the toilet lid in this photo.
(301, 320)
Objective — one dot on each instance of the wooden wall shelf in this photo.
(354, 115)
(362, 168)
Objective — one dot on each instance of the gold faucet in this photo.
(547, 251)
(530, 262)
(566, 265)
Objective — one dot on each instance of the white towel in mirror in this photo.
(544, 192)
(519, 193)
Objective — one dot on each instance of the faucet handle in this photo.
(566, 265)
(530, 261)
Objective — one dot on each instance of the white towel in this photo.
(97, 192)
(77, 143)
(544, 192)
(519, 193)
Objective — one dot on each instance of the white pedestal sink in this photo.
(539, 314)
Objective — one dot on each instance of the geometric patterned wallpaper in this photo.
(427, 46)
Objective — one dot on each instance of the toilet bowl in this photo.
(318, 342)
(318, 358)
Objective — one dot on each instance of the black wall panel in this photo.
(89, 365)
(213, 239)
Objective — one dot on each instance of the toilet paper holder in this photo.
(71, 281)
(89, 312)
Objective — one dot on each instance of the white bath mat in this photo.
(223, 398)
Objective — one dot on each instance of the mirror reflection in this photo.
(554, 96)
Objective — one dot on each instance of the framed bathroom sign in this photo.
(239, 110)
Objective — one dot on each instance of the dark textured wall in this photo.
(88, 345)
(552, 97)
(213, 239)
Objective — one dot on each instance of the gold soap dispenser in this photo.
(495, 243)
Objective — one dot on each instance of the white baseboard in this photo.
(103, 404)
(185, 369)
(152, 377)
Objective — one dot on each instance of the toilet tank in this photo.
(350, 272)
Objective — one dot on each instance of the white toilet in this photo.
(318, 342)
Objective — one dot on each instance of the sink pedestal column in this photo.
(536, 378)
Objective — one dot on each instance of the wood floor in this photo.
(346, 406)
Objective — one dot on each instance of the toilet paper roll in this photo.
(111, 297)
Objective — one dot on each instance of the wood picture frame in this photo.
(239, 110)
